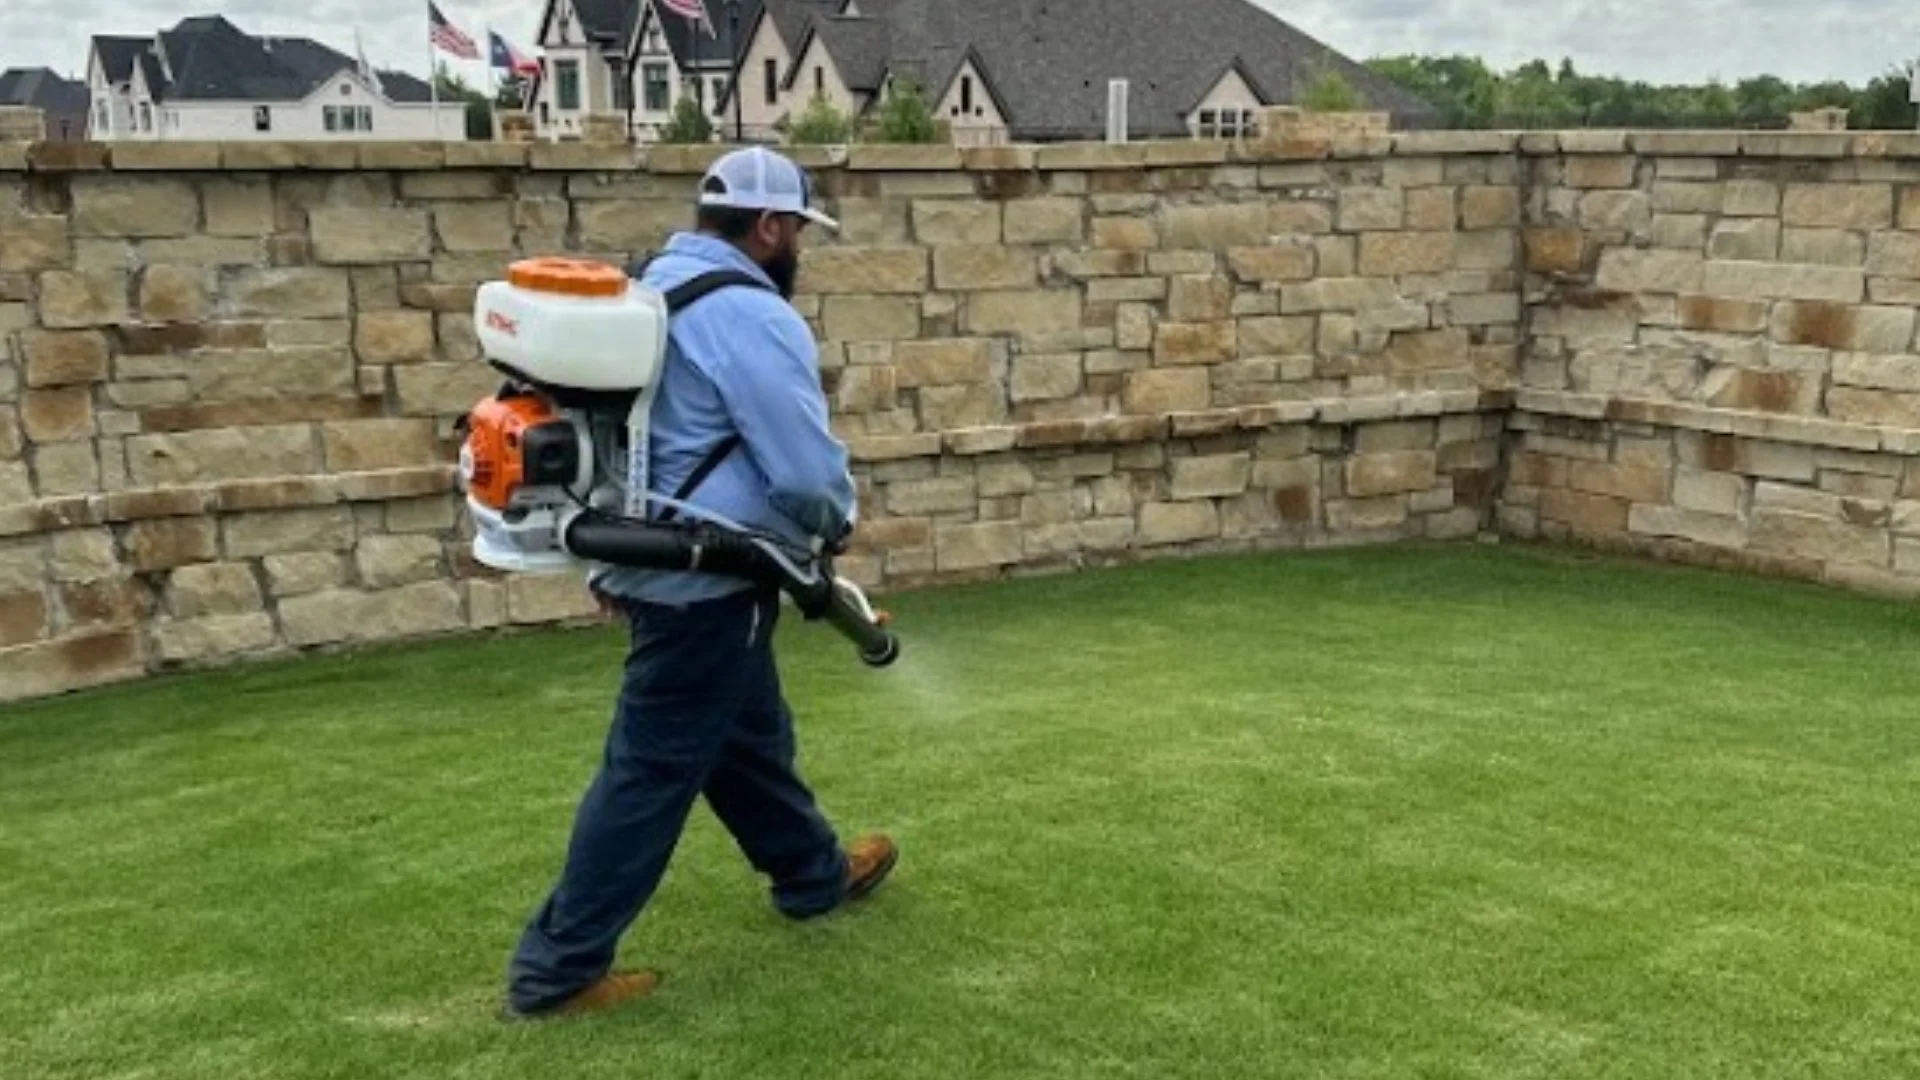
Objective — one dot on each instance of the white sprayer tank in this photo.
(572, 323)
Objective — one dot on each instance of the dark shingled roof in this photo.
(1048, 63)
(860, 48)
(119, 54)
(42, 89)
(213, 60)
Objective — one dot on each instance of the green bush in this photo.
(905, 116)
(1331, 92)
(820, 124)
(689, 123)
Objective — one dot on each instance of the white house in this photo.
(628, 60)
(207, 80)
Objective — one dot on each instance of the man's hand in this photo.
(609, 607)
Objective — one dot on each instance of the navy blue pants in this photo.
(700, 712)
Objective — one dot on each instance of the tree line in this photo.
(1535, 95)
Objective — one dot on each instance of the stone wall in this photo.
(229, 374)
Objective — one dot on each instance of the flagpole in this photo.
(433, 80)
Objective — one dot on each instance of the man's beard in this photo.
(784, 269)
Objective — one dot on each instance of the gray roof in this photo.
(212, 60)
(1047, 64)
(860, 48)
(608, 21)
(42, 89)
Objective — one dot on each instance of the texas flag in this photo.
(503, 55)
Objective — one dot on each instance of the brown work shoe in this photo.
(869, 861)
(609, 993)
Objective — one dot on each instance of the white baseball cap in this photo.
(759, 179)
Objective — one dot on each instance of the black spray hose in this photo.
(712, 549)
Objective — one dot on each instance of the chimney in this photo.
(1116, 110)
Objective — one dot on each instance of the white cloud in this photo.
(1660, 40)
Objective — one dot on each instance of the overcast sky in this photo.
(1662, 40)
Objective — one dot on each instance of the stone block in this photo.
(1651, 270)
(172, 294)
(366, 445)
(1760, 391)
(280, 532)
(442, 389)
(71, 663)
(1044, 220)
(1585, 513)
(412, 610)
(849, 269)
(946, 408)
(303, 573)
(164, 543)
(866, 388)
(64, 358)
(1720, 315)
(961, 221)
(213, 589)
(1894, 255)
(29, 244)
(473, 226)
(1827, 247)
(1821, 539)
(1386, 254)
(1212, 476)
(971, 267)
(871, 318)
(1298, 217)
(1195, 297)
(288, 293)
(1780, 281)
(1599, 171)
(347, 235)
(1757, 239)
(1432, 209)
(1713, 530)
(1673, 197)
(1838, 206)
(1554, 250)
(1366, 515)
(64, 468)
(1125, 233)
(1123, 290)
(1895, 372)
(1748, 197)
(1362, 209)
(1615, 211)
(1338, 294)
(70, 299)
(212, 637)
(1213, 227)
(979, 546)
(393, 337)
(1026, 313)
(387, 561)
(57, 415)
(1165, 390)
(1687, 232)
(1714, 493)
(1272, 262)
(1178, 522)
(937, 362)
(1195, 343)
(238, 206)
(1489, 207)
(1828, 325)
(1044, 377)
(1391, 473)
(1881, 407)
(133, 206)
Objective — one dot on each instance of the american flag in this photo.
(448, 36)
(689, 9)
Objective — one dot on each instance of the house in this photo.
(633, 61)
(1038, 70)
(207, 79)
(61, 103)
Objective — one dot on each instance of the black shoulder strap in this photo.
(677, 298)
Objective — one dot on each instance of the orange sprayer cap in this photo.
(568, 277)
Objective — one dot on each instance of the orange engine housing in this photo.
(494, 460)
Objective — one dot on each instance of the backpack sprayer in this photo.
(581, 343)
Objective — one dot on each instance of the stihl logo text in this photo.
(497, 321)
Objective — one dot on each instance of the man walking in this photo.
(741, 420)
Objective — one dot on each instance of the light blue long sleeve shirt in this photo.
(740, 361)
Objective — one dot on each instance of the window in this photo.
(1224, 123)
(330, 117)
(262, 118)
(819, 80)
(773, 81)
(659, 96)
(105, 116)
(567, 75)
(966, 95)
(719, 94)
(346, 89)
(366, 117)
(146, 117)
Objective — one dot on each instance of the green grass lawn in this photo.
(1419, 812)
